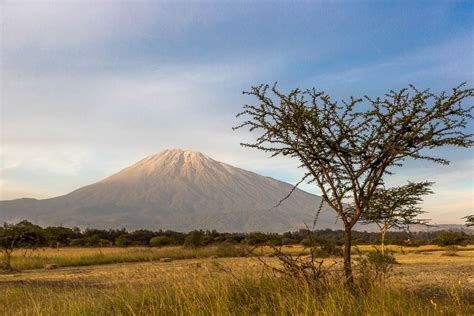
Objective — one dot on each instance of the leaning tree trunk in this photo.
(349, 279)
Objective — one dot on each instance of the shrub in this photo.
(195, 239)
(78, 242)
(452, 238)
(160, 241)
(93, 240)
(104, 243)
(330, 248)
(308, 242)
(374, 266)
(451, 251)
(123, 241)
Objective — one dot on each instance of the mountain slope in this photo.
(178, 190)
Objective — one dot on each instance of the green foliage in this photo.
(451, 251)
(93, 241)
(451, 238)
(22, 235)
(347, 148)
(308, 242)
(469, 220)
(194, 239)
(78, 242)
(160, 241)
(397, 207)
(123, 240)
(374, 266)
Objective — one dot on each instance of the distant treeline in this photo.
(26, 234)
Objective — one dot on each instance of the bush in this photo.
(308, 242)
(93, 240)
(195, 239)
(78, 242)
(374, 266)
(160, 241)
(330, 248)
(451, 251)
(452, 238)
(104, 243)
(376, 257)
(123, 241)
(327, 248)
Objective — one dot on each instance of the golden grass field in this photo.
(424, 283)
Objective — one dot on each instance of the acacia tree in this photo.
(21, 235)
(347, 148)
(469, 220)
(396, 208)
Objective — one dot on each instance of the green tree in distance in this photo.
(469, 220)
(396, 208)
(347, 148)
(21, 235)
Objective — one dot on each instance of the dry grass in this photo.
(70, 257)
(423, 284)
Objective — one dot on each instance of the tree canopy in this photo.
(348, 147)
(396, 207)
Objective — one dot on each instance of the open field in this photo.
(71, 257)
(425, 283)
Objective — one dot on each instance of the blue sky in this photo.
(89, 87)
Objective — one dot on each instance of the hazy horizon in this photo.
(90, 88)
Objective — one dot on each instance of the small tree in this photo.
(469, 220)
(451, 238)
(195, 239)
(21, 235)
(396, 208)
(123, 240)
(348, 148)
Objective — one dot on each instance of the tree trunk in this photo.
(382, 239)
(349, 279)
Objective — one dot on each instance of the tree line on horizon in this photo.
(27, 235)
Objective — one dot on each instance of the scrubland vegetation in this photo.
(202, 273)
(424, 283)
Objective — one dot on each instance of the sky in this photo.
(90, 87)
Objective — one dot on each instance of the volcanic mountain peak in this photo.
(180, 190)
(170, 163)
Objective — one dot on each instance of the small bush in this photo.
(195, 239)
(77, 243)
(123, 241)
(104, 243)
(452, 238)
(374, 266)
(160, 241)
(451, 251)
(308, 242)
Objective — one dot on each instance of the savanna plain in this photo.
(213, 281)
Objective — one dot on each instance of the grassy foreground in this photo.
(423, 284)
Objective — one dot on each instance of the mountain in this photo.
(178, 190)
